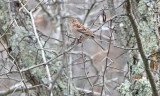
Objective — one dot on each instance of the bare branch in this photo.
(140, 48)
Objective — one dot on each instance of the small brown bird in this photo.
(79, 30)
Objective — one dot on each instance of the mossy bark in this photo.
(22, 45)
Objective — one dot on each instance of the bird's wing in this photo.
(80, 28)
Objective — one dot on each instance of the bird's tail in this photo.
(95, 40)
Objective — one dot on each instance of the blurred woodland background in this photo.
(39, 56)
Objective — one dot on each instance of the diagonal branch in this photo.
(140, 48)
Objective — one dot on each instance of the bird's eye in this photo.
(74, 20)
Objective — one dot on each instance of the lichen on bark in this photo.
(143, 12)
(23, 47)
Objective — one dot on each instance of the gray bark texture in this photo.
(23, 49)
(111, 7)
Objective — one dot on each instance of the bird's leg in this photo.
(80, 39)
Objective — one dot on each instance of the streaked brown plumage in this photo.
(79, 30)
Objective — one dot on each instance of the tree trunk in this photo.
(22, 48)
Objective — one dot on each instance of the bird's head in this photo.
(74, 20)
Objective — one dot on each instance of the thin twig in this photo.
(40, 44)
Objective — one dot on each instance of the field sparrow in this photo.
(79, 31)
